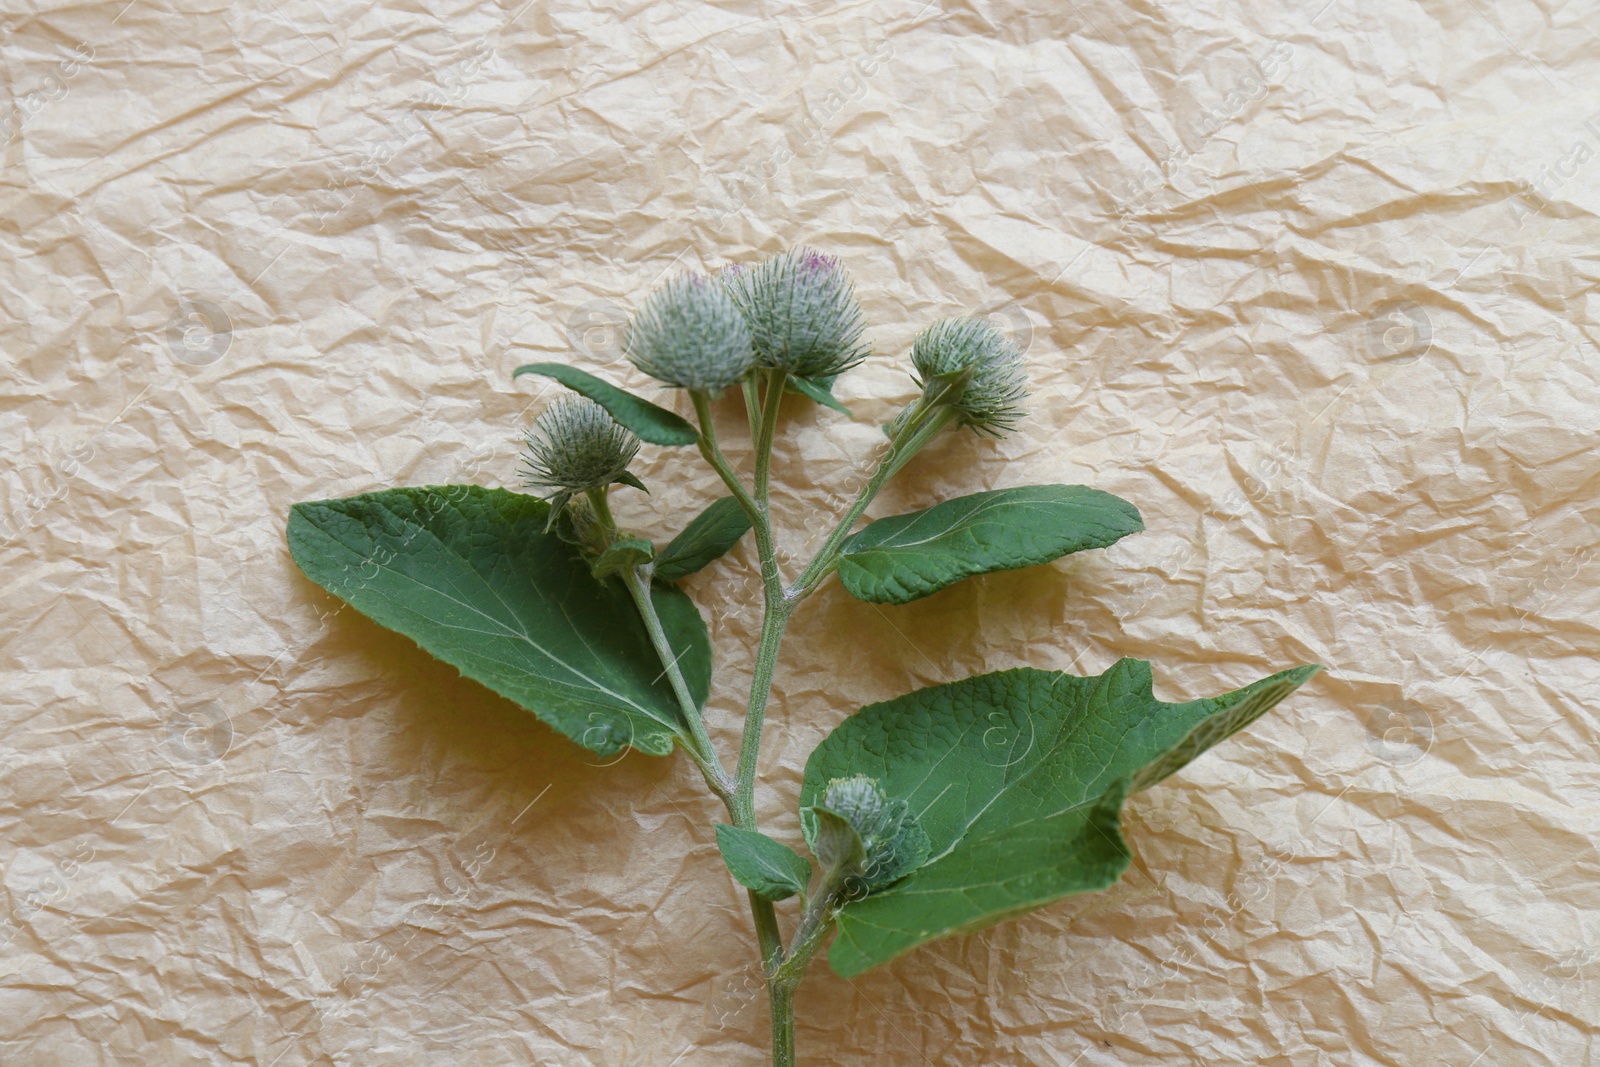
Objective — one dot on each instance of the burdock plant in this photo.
(928, 815)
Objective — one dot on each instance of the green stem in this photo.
(700, 749)
(599, 499)
(919, 424)
(785, 979)
(769, 941)
(768, 937)
(807, 937)
(771, 400)
(775, 613)
(776, 608)
(740, 802)
(782, 999)
(637, 580)
(752, 403)
(773, 620)
(924, 421)
(712, 453)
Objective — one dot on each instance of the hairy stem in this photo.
(782, 998)
(700, 750)
(773, 621)
(775, 613)
(923, 420)
(775, 608)
(712, 453)
(808, 936)
(917, 426)
(637, 579)
(741, 800)
(785, 979)
(768, 937)
(771, 400)
(752, 402)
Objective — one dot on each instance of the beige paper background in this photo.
(1312, 285)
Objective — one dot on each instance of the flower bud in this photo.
(690, 334)
(864, 839)
(576, 446)
(802, 312)
(990, 398)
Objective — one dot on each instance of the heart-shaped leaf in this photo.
(650, 421)
(709, 536)
(1017, 779)
(900, 559)
(471, 575)
(760, 864)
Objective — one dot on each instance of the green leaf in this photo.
(709, 536)
(834, 841)
(631, 479)
(1017, 779)
(900, 559)
(471, 575)
(817, 389)
(651, 422)
(622, 554)
(558, 517)
(760, 864)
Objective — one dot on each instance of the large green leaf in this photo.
(709, 536)
(650, 421)
(1017, 778)
(471, 575)
(768, 869)
(897, 560)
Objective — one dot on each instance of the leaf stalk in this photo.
(637, 580)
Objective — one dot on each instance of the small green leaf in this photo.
(819, 390)
(651, 422)
(558, 517)
(622, 554)
(709, 536)
(471, 575)
(900, 559)
(631, 479)
(760, 864)
(1017, 779)
(834, 841)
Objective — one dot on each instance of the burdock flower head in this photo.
(690, 334)
(802, 312)
(864, 839)
(971, 366)
(576, 446)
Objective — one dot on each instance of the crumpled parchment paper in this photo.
(1312, 285)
